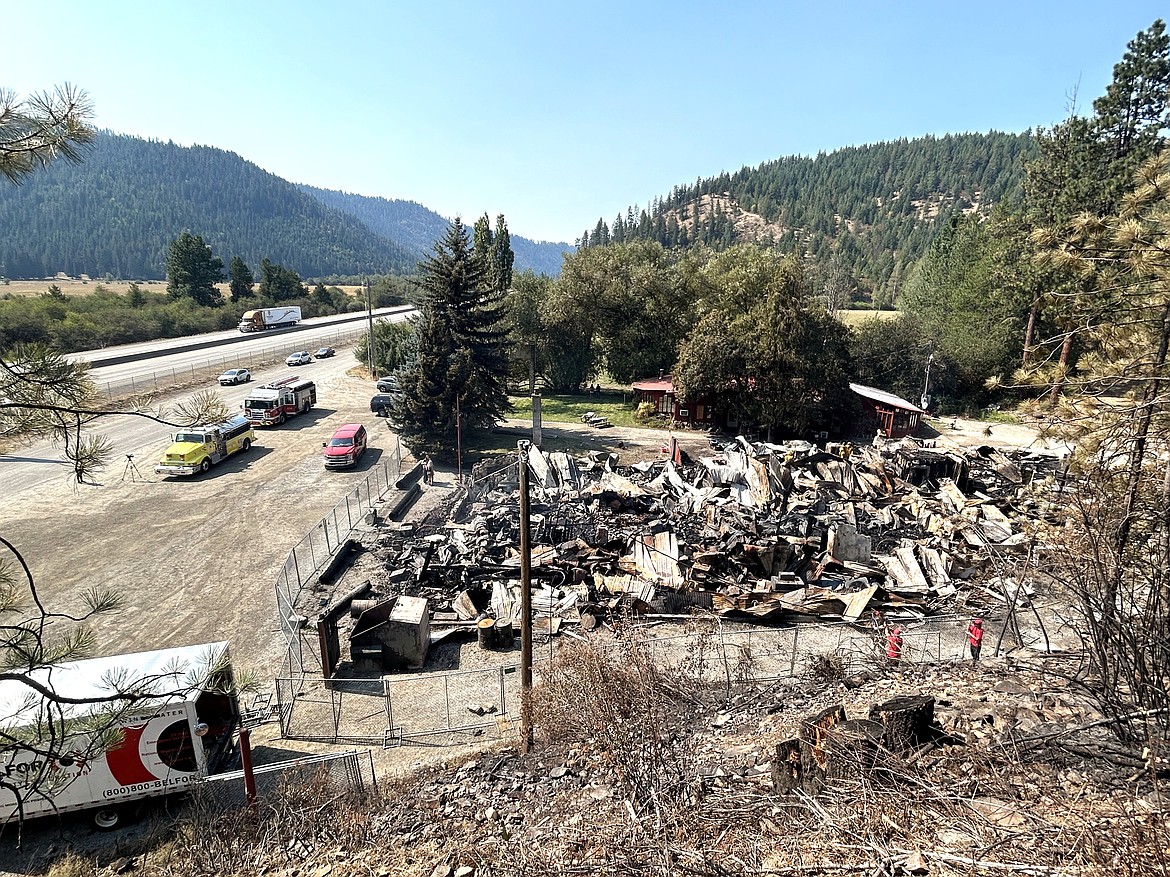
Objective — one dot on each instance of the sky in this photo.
(554, 113)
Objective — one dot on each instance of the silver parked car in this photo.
(235, 376)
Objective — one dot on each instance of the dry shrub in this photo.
(827, 667)
(285, 827)
(72, 865)
(620, 704)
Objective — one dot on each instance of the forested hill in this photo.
(116, 213)
(417, 228)
(875, 208)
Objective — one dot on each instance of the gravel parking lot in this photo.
(194, 559)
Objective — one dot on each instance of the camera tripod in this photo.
(131, 470)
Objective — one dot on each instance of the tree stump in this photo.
(813, 733)
(851, 748)
(908, 721)
(787, 775)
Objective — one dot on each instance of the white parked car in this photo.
(235, 376)
(300, 358)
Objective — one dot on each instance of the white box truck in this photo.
(99, 756)
(269, 318)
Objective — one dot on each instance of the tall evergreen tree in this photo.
(240, 279)
(494, 252)
(279, 283)
(501, 258)
(193, 271)
(461, 358)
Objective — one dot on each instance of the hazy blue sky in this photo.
(557, 113)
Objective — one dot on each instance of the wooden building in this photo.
(893, 416)
(660, 393)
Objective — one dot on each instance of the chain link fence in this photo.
(215, 363)
(342, 772)
(332, 711)
(310, 556)
(455, 706)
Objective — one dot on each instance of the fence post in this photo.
(388, 694)
(792, 659)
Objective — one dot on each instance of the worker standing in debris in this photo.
(785, 477)
(894, 644)
(428, 469)
(975, 637)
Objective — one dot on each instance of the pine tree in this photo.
(241, 279)
(430, 387)
(193, 272)
(462, 352)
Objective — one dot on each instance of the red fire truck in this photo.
(275, 402)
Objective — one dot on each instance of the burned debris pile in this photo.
(753, 531)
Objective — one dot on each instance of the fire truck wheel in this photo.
(106, 818)
(245, 444)
(280, 420)
(204, 465)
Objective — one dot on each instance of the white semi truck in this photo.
(269, 318)
(177, 727)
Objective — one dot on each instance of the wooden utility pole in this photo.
(370, 323)
(525, 602)
(458, 442)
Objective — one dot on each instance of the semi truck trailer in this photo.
(269, 318)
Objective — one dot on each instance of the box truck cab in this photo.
(175, 726)
(346, 446)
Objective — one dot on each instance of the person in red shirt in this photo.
(894, 644)
(975, 637)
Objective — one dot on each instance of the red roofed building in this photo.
(660, 393)
(893, 416)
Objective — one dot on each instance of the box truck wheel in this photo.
(106, 818)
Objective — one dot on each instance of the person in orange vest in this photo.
(894, 644)
(975, 637)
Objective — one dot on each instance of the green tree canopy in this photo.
(278, 283)
(394, 346)
(461, 355)
(640, 299)
(41, 128)
(779, 359)
(963, 307)
(193, 271)
(240, 279)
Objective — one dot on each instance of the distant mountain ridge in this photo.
(115, 214)
(872, 209)
(416, 227)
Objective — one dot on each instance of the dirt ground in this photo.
(194, 559)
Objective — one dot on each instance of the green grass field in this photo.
(568, 409)
(857, 317)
